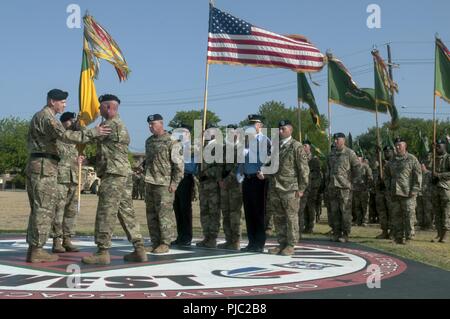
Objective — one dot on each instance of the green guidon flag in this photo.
(305, 95)
(344, 91)
(442, 70)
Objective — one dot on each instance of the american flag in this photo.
(234, 41)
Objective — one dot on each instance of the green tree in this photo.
(188, 118)
(408, 128)
(274, 111)
(13, 144)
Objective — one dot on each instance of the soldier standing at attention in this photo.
(344, 167)
(114, 194)
(403, 179)
(441, 191)
(209, 192)
(254, 190)
(383, 197)
(42, 170)
(230, 192)
(308, 204)
(164, 169)
(184, 194)
(63, 227)
(286, 188)
(361, 187)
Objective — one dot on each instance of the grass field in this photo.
(14, 212)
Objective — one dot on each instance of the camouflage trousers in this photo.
(114, 201)
(326, 201)
(308, 211)
(43, 197)
(231, 205)
(209, 196)
(66, 211)
(284, 207)
(384, 209)
(160, 214)
(341, 210)
(373, 213)
(403, 216)
(441, 204)
(360, 206)
(424, 211)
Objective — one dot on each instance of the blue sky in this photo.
(164, 43)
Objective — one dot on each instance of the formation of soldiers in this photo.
(289, 198)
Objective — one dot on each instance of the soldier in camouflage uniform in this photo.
(42, 170)
(403, 179)
(209, 192)
(383, 197)
(164, 167)
(361, 187)
(286, 188)
(344, 167)
(441, 191)
(308, 204)
(114, 194)
(231, 193)
(63, 226)
(373, 214)
(424, 209)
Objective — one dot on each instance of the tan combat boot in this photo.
(443, 237)
(39, 255)
(101, 257)
(139, 255)
(288, 251)
(235, 245)
(224, 245)
(275, 250)
(161, 249)
(57, 246)
(67, 244)
(208, 242)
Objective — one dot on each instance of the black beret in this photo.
(284, 123)
(67, 116)
(441, 141)
(210, 125)
(307, 142)
(108, 97)
(255, 118)
(57, 95)
(388, 148)
(399, 139)
(338, 135)
(154, 117)
(233, 126)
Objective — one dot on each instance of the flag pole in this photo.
(205, 96)
(329, 56)
(299, 121)
(378, 140)
(434, 111)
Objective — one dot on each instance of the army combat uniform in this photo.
(343, 166)
(164, 168)
(231, 204)
(403, 179)
(66, 208)
(42, 173)
(115, 193)
(292, 176)
(360, 201)
(308, 203)
(209, 195)
(441, 196)
(424, 209)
